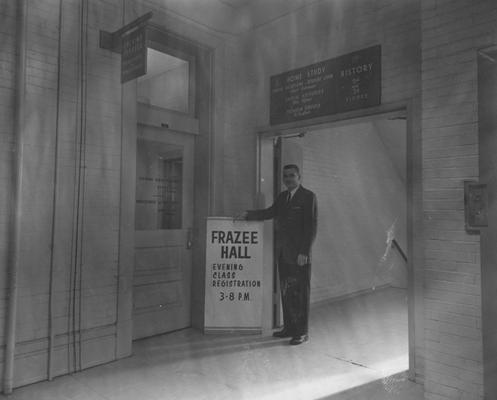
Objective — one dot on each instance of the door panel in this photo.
(163, 222)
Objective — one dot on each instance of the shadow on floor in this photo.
(193, 345)
(394, 387)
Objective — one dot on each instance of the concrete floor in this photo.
(358, 350)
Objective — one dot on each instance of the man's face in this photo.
(291, 178)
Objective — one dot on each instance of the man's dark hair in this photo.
(292, 166)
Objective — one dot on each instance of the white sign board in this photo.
(233, 282)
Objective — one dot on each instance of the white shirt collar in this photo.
(292, 192)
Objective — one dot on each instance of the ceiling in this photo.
(233, 16)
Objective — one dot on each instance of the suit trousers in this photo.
(295, 285)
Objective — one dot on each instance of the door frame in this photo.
(487, 70)
(403, 110)
(205, 184)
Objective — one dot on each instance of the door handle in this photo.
(189, 238)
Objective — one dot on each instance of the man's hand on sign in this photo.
(302, 260)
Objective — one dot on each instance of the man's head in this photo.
(291, 176)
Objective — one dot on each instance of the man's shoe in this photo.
(282, 334)
(299, 339)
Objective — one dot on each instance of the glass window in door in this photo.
(159, 186)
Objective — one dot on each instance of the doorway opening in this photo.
(361, 304)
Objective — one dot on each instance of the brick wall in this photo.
(71, 183)
(452, 31)
(239, 159)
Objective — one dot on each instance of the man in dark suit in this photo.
(295, 214)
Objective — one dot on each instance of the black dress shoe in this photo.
(299, 339)
(282, 334)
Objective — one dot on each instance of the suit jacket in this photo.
(295, 223)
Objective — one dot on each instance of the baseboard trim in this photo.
(233, 330)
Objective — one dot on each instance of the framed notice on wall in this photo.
(233, 276)
(475, 206)
(346, 83)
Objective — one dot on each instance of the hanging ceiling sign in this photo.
(346, 83)
(133, 55)
(131, 42)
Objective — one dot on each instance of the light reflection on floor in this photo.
(356, 346)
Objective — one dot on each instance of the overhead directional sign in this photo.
(345, 83)
(131, 42)
(133, 55)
